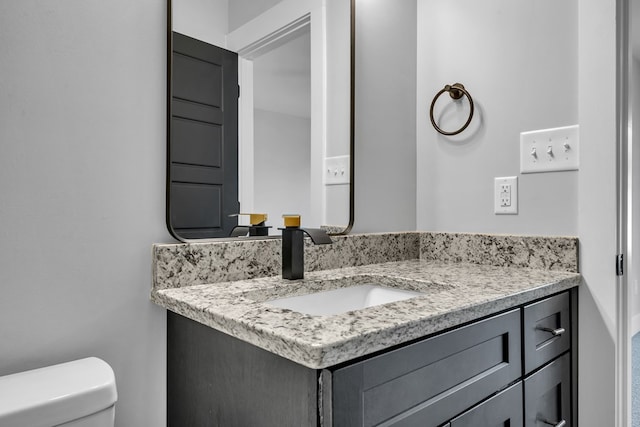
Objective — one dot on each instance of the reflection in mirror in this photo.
(294, 114)
(282, 130)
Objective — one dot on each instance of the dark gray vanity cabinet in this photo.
(431, 381)
(214, 379)
(549, 392)
(547, 395)
(503, 409)
(546, 333)
(514, 368)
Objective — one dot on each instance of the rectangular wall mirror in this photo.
(259, 115)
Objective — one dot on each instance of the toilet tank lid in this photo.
(56, 394)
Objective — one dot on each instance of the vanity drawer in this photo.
(547, 330)
(547, 395)
(430, 381)
(505, 408)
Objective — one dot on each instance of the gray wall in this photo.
(82, 137)
(243, 11)
(385, 165)
(521, 79)
(281, 166)
(204, 20)
(597, 212)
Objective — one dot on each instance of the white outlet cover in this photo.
(337, 170)
(512, 209)
(550, 150)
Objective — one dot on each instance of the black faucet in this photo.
(293, 246)
(258, 226)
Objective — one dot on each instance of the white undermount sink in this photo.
(337, 301)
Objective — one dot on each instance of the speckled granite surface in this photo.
(547, 253)
(455, 293)
(177, 265)
(464, 276)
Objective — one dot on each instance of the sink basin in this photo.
(337, 301)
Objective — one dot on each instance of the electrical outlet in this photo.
(506, 195)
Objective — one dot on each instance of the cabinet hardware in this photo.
(619, 264)
(560, 423)
(556, 332)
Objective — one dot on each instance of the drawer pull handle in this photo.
(560, 423)
(556, 332)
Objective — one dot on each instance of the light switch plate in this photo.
(336, 170)
(506, 195)
(549, 150)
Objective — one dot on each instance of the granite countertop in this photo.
(455, 293)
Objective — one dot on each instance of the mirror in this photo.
(293, 127)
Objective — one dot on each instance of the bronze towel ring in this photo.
(455, 91)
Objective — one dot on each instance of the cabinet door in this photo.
(431, 381)
(502, 410)
(547, 395)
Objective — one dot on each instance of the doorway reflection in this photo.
(282, 130)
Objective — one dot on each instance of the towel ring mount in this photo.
(456, 92)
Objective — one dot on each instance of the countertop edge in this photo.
(320, 357)
(432, 325)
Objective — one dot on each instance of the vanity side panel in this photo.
(574, 355)
(216, 379)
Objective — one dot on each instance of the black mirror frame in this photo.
(349, 226)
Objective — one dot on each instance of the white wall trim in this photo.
(276, 38)
(597, 213)
(635, 324)
(245, 136)
(265, 32)
(319, 100)
(271, 22)
(624, 219)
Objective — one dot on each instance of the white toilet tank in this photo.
(81, 393)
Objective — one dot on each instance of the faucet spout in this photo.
(293, 249)
(318, 236)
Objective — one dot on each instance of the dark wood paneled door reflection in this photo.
(203, 153)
